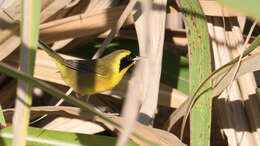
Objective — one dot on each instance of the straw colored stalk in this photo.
(235, 122)
(150, 28)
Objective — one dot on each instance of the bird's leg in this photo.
(80, 97)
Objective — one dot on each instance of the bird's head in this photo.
(123, 59)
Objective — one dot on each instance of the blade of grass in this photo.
(72, 100)
(29, 37)
(2, 118)
(41, 137)
(200, 69)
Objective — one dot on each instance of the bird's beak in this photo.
(137, 58)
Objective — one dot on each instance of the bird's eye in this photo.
(131, 57)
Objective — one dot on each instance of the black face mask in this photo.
(126, 61)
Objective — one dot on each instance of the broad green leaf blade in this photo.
(248, 7)
(43, 137)
(29, 38)
(200, 69)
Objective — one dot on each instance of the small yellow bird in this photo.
(88, 77)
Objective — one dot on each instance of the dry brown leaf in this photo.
(157, 136)
(87, 25)
(240, 127)
(74, 125)
(10, 30)
(87, 6)
(9, 39)
(223, 78)
(95, 5)
(65, 111)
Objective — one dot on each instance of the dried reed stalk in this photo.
(150, 28)
(87, 25)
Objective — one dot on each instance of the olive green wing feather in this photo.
(88, 66)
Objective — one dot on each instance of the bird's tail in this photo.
(56, 57)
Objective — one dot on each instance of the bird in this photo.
(88, 77)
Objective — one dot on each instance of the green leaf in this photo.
(200, 69)
(42, 137)
(248, 7)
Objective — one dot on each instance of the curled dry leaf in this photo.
(229, 103)
(65, 111)
(221, 80)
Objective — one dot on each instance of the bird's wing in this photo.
(88, 66)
